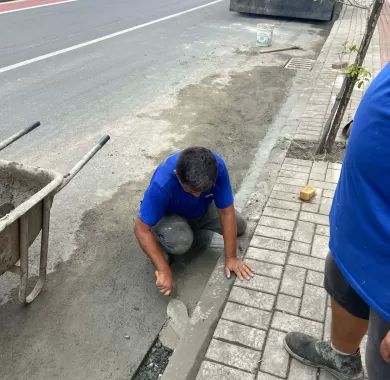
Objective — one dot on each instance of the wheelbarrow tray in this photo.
(22, 189)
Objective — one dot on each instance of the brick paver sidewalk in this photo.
(290, 243)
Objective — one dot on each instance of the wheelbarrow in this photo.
(26, 197)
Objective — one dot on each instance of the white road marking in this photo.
(104, 38)
(36, 6)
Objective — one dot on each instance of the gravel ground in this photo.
(154, 363)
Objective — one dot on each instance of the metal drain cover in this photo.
(300, 64)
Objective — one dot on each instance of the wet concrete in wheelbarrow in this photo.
(78, 327)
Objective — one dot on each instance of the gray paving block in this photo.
(269, 243)
(266, 376)
(247, 315)
(294, 174)
(304, 232)
(261, 254)
(307, 262)
(315, 278)
(323, 185)
(314, 218)
(275, 357)
(288, 303)
(320, 246)
(292, 181)
(252, 298)
(326, 204)
(264, 268)
(293, 281)
(214, 371)
(313, 303)
(299, 371)
(287, 188)
(299, 247)
(297, 161)
(322, 230)
(283, 204)
(260, 283)
(271, 232)
(295, 168)
(310, 207)
(288, 322)
(238, 333)
(280, 213)
(233, 355)
(292, 197)
(277, 223)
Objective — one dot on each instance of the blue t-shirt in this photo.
(165, 194)
(360, 214)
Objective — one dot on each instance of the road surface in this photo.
(157, 76)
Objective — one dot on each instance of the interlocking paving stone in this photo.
(293, 281)
(261, 283)
(299, 371)
(320, 246)
(282, 195)
(235, 356)
(322, 230)
(314, 218)
(288, 322)
(215, 371)
(304, 232)
(307, 262)
(266, 269)
(238, 333)
(247, 315)
(280, 213)
(261, 254)
(266, 376)
(315, 278)
(252, 298)
(275, 357)
(277, 223)
(270, 243)
(303, 248)
(284, 204)
(288, 303)
(313, 303)
(276, 233)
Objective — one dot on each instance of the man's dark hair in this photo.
(197, 168)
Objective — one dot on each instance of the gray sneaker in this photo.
(316, 353)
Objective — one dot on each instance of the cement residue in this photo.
(17, 186)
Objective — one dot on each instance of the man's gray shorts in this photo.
(176, 234)
(340, 290)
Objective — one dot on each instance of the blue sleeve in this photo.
(154, 204)
(223, 194)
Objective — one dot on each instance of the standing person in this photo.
(189, 191)
(357, 270)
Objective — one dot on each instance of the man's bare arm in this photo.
(149, 244)
(228, 222)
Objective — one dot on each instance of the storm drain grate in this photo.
(300, 64)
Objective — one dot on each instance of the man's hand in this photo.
(242, 270)
(164, 281)
(385, 348)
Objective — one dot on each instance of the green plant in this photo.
(359, 74)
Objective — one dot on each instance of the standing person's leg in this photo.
(341, 355)
(174, 234)
(377, 368)
(210, 221)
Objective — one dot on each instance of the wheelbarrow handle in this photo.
(68, 177)
(18, 135)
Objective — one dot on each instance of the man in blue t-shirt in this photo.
(189, 191)
(357, 271)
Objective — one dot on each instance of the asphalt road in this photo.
(192, 79)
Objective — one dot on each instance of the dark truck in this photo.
(306, 9)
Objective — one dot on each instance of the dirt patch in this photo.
(306, 150)
(230, 115)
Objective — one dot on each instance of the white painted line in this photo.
(100, 39)
(36, 6)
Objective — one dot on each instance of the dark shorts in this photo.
(340, 290)
(343, 293)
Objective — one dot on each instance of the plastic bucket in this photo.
(264, 34)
